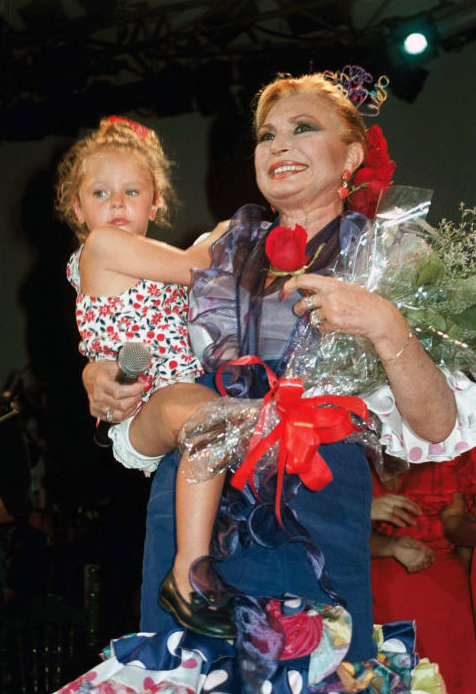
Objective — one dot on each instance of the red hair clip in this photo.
(139, 129)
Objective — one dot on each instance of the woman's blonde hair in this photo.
(114, 133)
(315, 83)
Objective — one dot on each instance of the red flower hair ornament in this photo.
(374, 177)
(138, 128)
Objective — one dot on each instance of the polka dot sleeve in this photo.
(400, 441)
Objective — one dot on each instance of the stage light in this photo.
(412, 42)
(415, 43)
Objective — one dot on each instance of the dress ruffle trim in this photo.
(181, 662)
(126, 454)
(72, 269)
(400, 441)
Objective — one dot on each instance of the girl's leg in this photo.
(153, 432)
(195, 511)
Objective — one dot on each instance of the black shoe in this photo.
(196, 615)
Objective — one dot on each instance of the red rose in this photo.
(375, 175)
(303, 631)
(286, 248)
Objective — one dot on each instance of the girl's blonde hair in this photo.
(114, 133)
(316, 84)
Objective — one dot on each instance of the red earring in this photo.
(343, 190)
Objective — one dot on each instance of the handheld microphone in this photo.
(133, 358)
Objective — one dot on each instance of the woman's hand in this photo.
(412, 554)
(106, 395)
(422, 394)
(396, 509)
(408, 551)
(348, 308)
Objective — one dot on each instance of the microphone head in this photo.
(133, 358)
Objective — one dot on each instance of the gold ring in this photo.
(309, 302)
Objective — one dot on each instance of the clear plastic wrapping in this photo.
(217, 437)
(397, 259)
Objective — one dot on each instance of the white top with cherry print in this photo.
(153, 313)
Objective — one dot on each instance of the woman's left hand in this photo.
(422, 395)
(345, 308)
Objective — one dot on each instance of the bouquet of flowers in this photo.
(429, 274)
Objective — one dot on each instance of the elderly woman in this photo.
(310, 139)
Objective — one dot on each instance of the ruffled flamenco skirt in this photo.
(182, 662)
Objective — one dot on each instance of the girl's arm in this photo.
(111, 250)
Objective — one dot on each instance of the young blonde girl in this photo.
(132, 288)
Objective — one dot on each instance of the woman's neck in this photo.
(313, 220)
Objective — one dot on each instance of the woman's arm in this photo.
(459, 527)
(109, 249)
(421, 392)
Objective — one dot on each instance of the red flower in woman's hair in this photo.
(286, 248)
(373, 177)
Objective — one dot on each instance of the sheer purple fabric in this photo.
(233, 313)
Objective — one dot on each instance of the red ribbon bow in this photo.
(138, 128)
(304, 424)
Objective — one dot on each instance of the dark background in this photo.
(188, 69)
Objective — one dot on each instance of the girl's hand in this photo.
(105, 394)
(396, 509)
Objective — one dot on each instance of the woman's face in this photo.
(300, 155)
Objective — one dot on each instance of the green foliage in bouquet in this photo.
(440, 301)
(429, 274)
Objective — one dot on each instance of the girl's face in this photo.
(115, 189)
(300, 155)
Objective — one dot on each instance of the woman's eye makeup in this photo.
(266, 135)
(304, 127)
